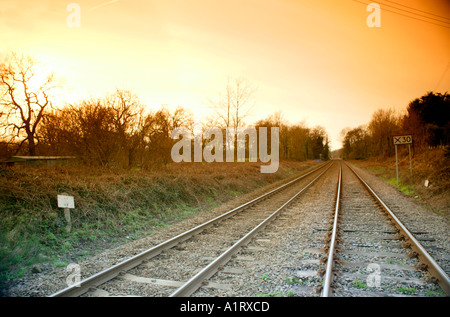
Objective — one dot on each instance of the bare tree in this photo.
(235, 104)
(158, 129)
(127, 121)
(24, 97)
(242, 101)
(383, 125)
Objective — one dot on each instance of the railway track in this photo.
(369, 256)
(146, 273)
(274, 245)
(371, 252)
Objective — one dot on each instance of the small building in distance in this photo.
(40, 160)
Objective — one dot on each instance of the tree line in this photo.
(118, 130)
(426, 119)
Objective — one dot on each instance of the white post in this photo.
(67, 202)
(69, 222)
(396, 162)
(410, 159)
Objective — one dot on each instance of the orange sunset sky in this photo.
(317, 61)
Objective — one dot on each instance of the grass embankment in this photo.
(110, 206)
(431, 165)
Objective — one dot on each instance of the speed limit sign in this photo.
(402, 139)
(399, 140)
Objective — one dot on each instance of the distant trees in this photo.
(232, 107)
(98, 130)
(117, 131)
(373, 140)
(382, 127)
(158, 127)
(427, 119)
(113, 131)
(319, 143)
(355, 144)
(298, 142)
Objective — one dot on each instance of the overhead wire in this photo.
(421, 15)
(408, 16)
(443, 76)
(402, 5)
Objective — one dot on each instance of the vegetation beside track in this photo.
(111, 206)
(432, 166)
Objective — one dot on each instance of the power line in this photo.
(421, 15)
(399, 4)
(443, 75)
(408, 16)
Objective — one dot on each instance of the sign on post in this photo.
(400, 140)
(403, 139)
(67, 202)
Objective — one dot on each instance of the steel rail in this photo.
(198, 279)
(328, 278)
(113, 271)
(432, 266)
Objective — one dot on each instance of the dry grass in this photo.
(110, 204)
(431, 165)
